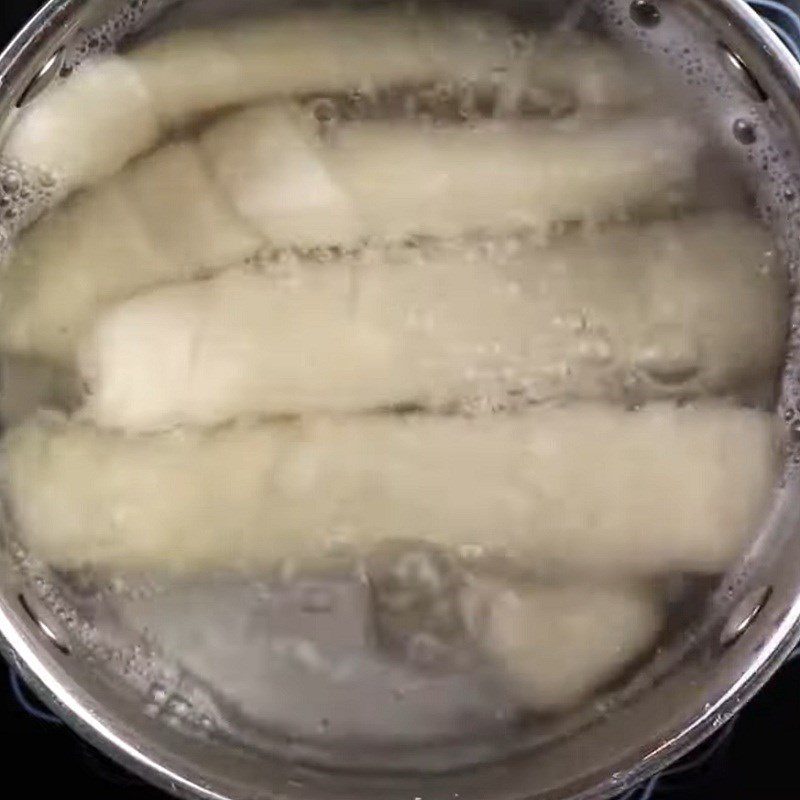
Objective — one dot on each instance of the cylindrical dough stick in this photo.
(394, 179)
(556, 645)
(191, 71)
(163, 216)
(587, 74)
(115, 107)
(578, 490)
(332, 51)
(669, 309)
(86, 127)
(160, 219)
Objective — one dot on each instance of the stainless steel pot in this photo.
(753, 624)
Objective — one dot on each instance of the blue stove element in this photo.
(784, 19)
(28, 702)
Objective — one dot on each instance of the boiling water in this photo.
(377, 650)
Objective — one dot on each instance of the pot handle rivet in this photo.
(43, 78)
(744, 614)
(737, 69)
(42, 619)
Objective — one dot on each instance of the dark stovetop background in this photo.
(757, 758)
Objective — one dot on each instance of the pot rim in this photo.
(44, 669)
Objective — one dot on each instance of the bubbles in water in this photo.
(177, 706)
(158, 694)
(24, 194)
(129, 18)
(317, 600)
(426, 651)
(645, 13)
(10, 182)
(325, 110)
(206, 723)
(745, 131)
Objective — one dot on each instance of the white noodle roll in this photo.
(408, 179)
(272, 168)
(87, 126)
(564, 73)
(161, 219)
(589, 74)
(114, 107)
(673, 309)
(398, 179)
(328, 51)
(192, 71)
(183, 211)
(586, 490)
(557, 645)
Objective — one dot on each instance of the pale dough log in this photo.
(193, 71)
(114, 107)
(271, 165)
(584, 490)
(556, 645)
(86, 127)
(672, 309)
(164, 216)
(396, 179)
(329, 52)
(588, 74)
(161, 219)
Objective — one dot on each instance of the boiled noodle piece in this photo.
(160, 219)
(393, 179)
(86, 127)
(165, 217)
(115, 107)
(587, 73)
(191, 71)
(668, 309)
(583, 490)
(331, 51)
(182, 210)
(507, 176)
(556, 645)
(272, 166)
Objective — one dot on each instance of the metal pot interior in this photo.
(65, 632)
